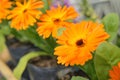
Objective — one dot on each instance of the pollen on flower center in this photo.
(80, 42)
(56, 21)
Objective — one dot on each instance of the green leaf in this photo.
(89, 69)
(52, 42)
(78, 78)
(23, 63)
(106, 56)
(30, 35)
(2, 42)
(60, 31)
(46, 6)
(5, 28)
(111, 23)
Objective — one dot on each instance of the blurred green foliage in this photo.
(111, 23)
(4, 30)
(78, 78)
(107, 55)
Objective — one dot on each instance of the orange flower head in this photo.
(115, 72)
(78, 41)
(4, 8)
(55, 19)
(19, 0)
(25, 15)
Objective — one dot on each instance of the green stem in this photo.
(52, 44)
(18, 71)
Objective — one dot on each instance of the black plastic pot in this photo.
(18, 50)
(55, 73)
(67, 73)
(16, 54)
(40, 73)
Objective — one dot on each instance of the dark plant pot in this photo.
(69, 72)
(46, 68)
(54, 73)
(18, 50)
(38, 73)
(13, 64)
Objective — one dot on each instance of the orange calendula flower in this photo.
(78, 41)
(115, 72)
(24, 15)
(55, 19)
(19, 0)
(4, 8)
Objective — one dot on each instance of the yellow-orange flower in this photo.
(4, 6)
(55, 19)
(19, 0)
(115, 72)
(25, 15)
(78, 41)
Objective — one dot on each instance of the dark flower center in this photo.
(56, 21)
(80, 42)
(25, 10)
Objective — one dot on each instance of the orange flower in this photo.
(115, 72)
(55, 19)
(24, 15)
(4, 6)
(78, 41)
(19, 0)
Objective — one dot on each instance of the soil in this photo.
(64, 74)
(69, 75)
(44, 61)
